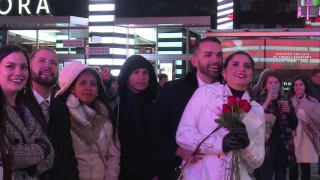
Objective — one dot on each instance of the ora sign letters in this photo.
(42, 5)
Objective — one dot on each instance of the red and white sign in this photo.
(73, 43)
(97, 50)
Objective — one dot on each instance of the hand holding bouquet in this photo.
(237, 138)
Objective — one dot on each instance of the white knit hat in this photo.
(68, 74)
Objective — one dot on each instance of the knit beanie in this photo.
(68, 74)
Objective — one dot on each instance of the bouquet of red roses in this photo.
(232, 115)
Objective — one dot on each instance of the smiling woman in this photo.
(219, 144)
(20, 118)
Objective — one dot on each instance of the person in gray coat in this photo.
(24, 126)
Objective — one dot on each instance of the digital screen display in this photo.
(289, 54)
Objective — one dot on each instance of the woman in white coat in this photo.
(95, 143)
(306, 136)
(198, 121)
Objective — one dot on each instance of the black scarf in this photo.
(133, 128)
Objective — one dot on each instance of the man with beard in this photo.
(44, 72)
(171, 102)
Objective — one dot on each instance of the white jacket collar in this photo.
(224, 90)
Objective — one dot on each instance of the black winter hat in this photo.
(137, 62)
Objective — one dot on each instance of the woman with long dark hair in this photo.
(198, 121)
(279, 145)
(25, 149)
(306, 136)
(95, 142)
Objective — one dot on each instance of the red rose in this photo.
(226, 108)
(242, 103)
(232, 100)
(246, 106)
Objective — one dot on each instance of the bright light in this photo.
(170, 35)
(149, 34)
(230, 11)
(115, 72)
(102, 7)
(169, 52)
(101, 18)
(101, 29)
(169, 44)
(62, 37)
(32, 35)
(118, 51)
(119, 29)
(223, 19)
(96, 61)
(225, 6)
(59, 45)
(113, 40)
(225, 26)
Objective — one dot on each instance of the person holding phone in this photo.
(279, 145)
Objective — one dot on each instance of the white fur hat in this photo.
(68, 74)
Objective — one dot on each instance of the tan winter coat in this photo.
(306, 136)
(93, 166)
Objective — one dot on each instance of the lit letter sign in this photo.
(25, 6)
(45, 6)
(8, 10)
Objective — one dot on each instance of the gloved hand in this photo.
(44, 145)
(242, 135)
(230, 142)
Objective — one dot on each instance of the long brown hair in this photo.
(24, 96)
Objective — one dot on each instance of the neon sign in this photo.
(24, 7)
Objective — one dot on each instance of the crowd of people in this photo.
(83, 123)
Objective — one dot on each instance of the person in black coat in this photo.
(171, 103)
(137, 90)
(44, 68)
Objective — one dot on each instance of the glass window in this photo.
(54, 39)
(144, 40)
(27, 39)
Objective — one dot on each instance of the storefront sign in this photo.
(77, 8)
(73, 43)
(97, 50)
(24, 7)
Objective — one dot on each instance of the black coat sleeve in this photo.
(72, 172)
(162, 132)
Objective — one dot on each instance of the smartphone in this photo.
(274, 89)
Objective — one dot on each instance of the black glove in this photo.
(230, 142)
(46, 148)
(242, 135)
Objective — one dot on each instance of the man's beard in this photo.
(43, 82)
(205, 70)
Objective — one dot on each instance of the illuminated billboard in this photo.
(225, 14)
(287, 54)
